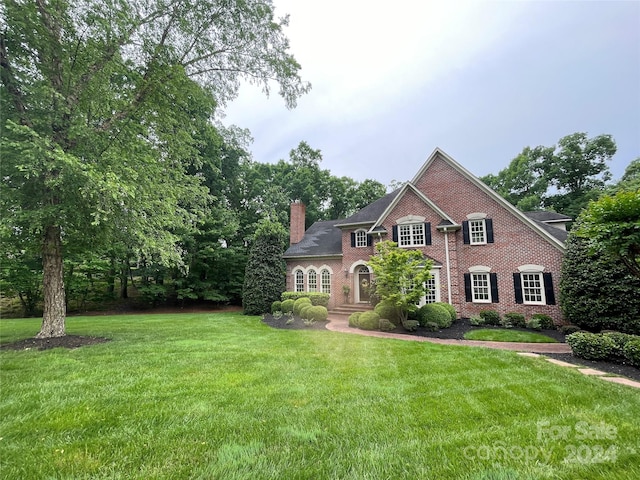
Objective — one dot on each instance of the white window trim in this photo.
(476, 216)
(480, 270)
(531, 269)
(412, 235)
(435, 277)
(322, 284)
(295, 279)
(484, 231)
(315, 272)
(364, 236)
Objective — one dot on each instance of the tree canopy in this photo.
(105, 105)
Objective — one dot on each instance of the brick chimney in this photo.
(297, 222)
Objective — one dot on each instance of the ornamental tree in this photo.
(400, 276)
(102, 104)
(612, 224)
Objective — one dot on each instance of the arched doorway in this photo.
(363, 277)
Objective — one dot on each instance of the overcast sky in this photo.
(392, 80)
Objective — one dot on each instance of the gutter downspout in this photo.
(446, 253)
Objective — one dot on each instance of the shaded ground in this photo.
(68, 341)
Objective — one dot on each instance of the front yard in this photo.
(226, 396)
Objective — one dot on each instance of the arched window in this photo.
(299, 280)
(312, 281)
(325, 281)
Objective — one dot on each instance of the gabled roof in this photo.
(538, 227)
(322, 239)
(401, 193)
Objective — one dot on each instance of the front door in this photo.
(364, 282)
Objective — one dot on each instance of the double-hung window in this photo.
(299, 281)
(477, 229)
(533, 286)
(325, 281)
(361, 238)
(477, 232)
(312, 281)
(480, 290)
(480, 285)
(411, 235)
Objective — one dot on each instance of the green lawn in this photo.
(507, 335)
(223, 396)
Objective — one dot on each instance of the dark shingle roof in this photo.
(547, 216)
(321, 239)
(556, 232)
(371, 212)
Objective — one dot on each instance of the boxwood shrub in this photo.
(299, 303)
(287, 306)
(540, 321)
(316, 298)
(317, 313)
(410, 325)
(304, 311)
(513, 320)
(490, 317)
(387, 311)
(434, 313)
(632, 351)
(591, 346)
(369, 321)
(449, 308)
(386, 325)
(354, 319)
(476, 320)
(276, 306)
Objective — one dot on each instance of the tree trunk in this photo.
(53, 318)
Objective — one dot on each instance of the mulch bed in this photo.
(68, 341)
(457, 331)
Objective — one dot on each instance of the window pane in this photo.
(480, 287)
(418, 234)
(532, 287)
(312, 281)
(405, 235)
(326, 281)
(361, 239)
(299, 281)
(476, 230)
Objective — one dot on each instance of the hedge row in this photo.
(537, 321)
(609, 346)
(317, 298)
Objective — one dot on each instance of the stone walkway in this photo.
(341, 324)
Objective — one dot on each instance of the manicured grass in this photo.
(506, 335)
(224, 396)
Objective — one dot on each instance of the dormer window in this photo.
(360, 239)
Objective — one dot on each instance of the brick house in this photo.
(486, 253)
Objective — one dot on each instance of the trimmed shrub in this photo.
(387, 311)
(317, 298)
(369, 321)
(287, 306)
(513, 320)
(431, 326)
(591, 346)
(450, 308)
(304, 311)
(410, 325)
(386, 325)
(276, 306)
(569, 329)
(490, 317)
(299, 303)
(632, 351)
(620, 339)
(317, 313)
(434, 313)
(597, 292)
(476, 321)
(354, 319)
(540, 321)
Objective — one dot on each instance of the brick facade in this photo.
(444, 193)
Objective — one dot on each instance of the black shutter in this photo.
(493, 281)
(548, 289)
(369, 240)
(394, 233)
(467, 287)
(353, 239)
(465, 232)
(427, 233)
(488, 223)
(517, 287)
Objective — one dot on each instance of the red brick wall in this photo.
(515, 244)
(296, 231)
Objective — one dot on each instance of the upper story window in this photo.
(411, 235)
(477, 229)
(360, 239)
(412, 231)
